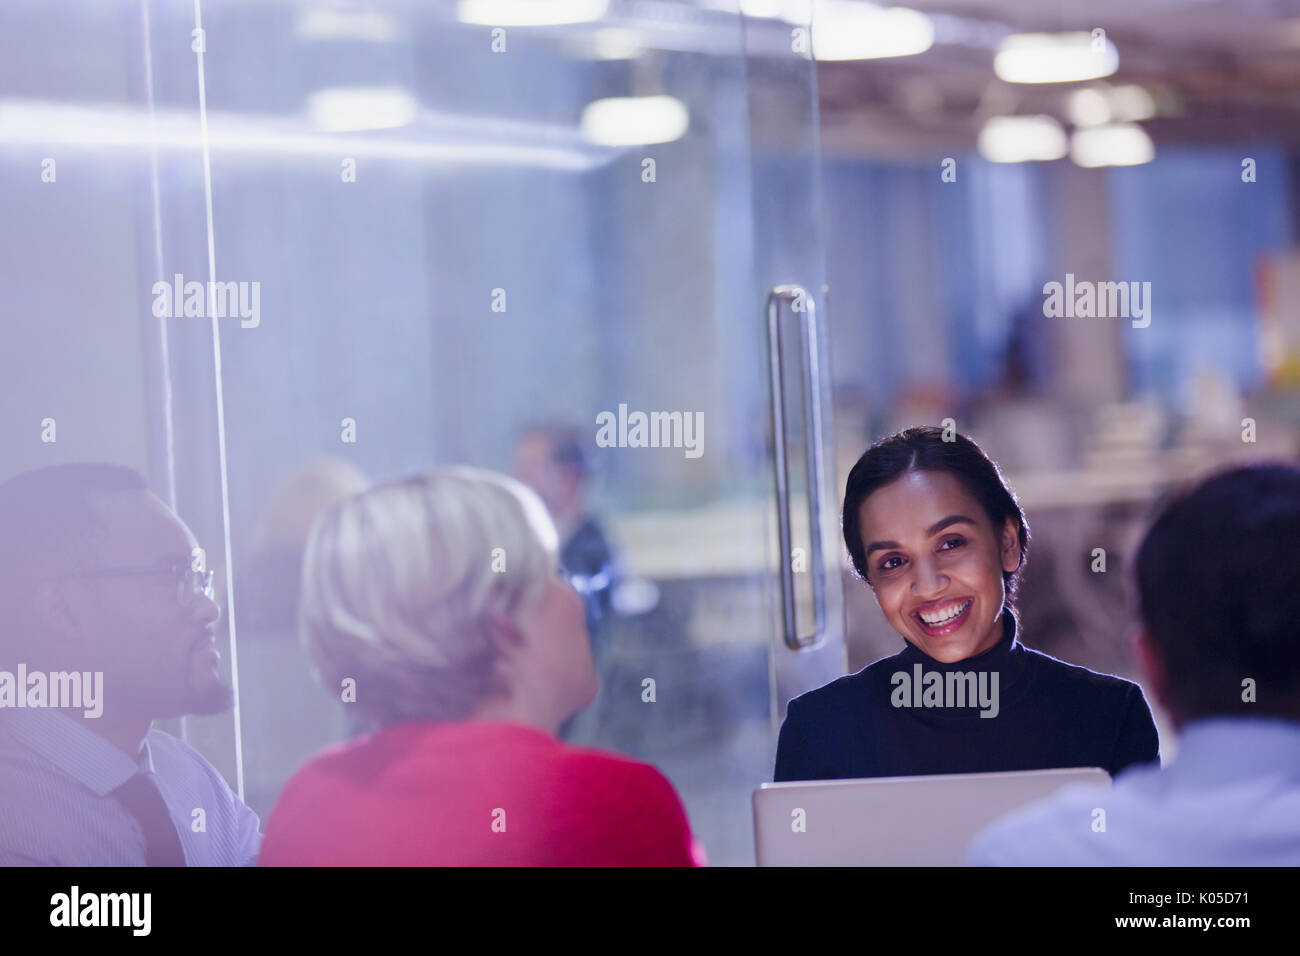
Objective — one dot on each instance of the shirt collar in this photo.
(79, 752)
(146, 757)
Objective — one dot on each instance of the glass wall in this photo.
(294, 249)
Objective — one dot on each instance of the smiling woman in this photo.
(941, 541)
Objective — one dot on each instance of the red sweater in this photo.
(475, 793)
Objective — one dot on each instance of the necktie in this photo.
(162, 844)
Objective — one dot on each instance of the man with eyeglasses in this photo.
(97, 575)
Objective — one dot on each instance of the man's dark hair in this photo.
(1218, 579)
(924, 449)
(47, 520)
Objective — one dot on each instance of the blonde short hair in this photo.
(398, 582)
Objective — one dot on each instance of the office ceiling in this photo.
(1221, 72)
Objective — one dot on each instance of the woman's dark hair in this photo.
(925, 448)
(1218, 577)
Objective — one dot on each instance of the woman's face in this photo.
(935, 563)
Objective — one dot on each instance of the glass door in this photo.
(498, 234)
(789, 267)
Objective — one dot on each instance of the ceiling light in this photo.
(1117, 144)
(1054, 58)
(635, 120)
(530, 13)
(1131, 103)
(864, 31)
(1022, 139)
(349, 109)
(1089, 107)
(611, 43)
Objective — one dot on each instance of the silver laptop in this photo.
(893, 821)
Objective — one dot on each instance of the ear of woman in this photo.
(1012, 555)
(507, 637)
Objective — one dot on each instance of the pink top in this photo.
(470, 793)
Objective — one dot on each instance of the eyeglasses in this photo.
(188, 581)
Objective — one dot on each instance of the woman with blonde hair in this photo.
(435, 605)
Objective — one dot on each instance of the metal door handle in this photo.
(813, 451)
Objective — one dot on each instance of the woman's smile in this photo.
(942, 618)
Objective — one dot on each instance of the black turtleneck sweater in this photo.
(1049, 714)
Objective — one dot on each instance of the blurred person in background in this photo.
(552, 460)
(286, 715)
(1218, 578)
(279, 537)
(97, 575)
(941, 541)
(440, 596)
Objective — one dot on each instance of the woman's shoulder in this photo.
(1062, 673)
(848, 691)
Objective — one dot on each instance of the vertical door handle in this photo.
(805, 307)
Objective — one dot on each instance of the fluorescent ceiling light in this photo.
(351, 109)
(1131, 103)
(613, 43)
(1098, 105)
(1022, 139)
(1054, 58)
(530, 13)
(864, 31)
(1118, 144)
(1089, 107)
(635, 120)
